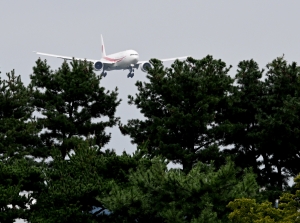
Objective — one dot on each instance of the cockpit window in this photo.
(134, 54)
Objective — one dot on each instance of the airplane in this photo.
(128, 59)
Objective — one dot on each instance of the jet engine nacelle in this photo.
(98, 65)
(145, 66)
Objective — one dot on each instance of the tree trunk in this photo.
(279, 175)
(267, 167)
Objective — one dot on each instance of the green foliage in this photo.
(69, 99)
(18, 139)
(265, 120)
(16, 176)
(247, 102)
(190, 110)
(71, 186)
(18, 131)
(135, 188)
(248, 211)
(279, 120)
(68, 191)
(156, 194)
(184, 107)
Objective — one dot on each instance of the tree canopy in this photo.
(248, 210)
(69, 99)
(19, 143)
(184, 109)
(236, 138)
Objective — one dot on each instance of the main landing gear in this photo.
(103, 74)
(131, 73)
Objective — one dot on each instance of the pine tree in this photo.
(18, 130)
(279, 119)
(19, 143)
(265, 116)
(184, 109)
(248, 210)
(17, 177)
(244, 135)
(75, 188)
(156, 194)
(73, 105)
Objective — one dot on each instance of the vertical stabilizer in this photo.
(103, 47)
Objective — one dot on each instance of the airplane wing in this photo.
(164, 60)
(71, 58)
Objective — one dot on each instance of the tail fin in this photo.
(103, 48)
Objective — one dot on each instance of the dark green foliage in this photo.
(76, 186)
(184, 107)
(138, 189)
(156, 194)
(280, 120)
(69, 99)
(265, 116)
(246, 104)
(18, 131)
(69, 190)
(18, 139)
(190, 111)
(17, 175)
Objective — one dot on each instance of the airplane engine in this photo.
(98, 65)
(145, 66)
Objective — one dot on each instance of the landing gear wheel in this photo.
(130, 75)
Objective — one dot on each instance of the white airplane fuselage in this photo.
(125, 60)
(122, 60)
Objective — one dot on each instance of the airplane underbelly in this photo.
(116, 66)
(121, 65)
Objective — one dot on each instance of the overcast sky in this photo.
(228, 30)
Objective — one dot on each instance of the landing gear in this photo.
(103, 74)
(131, 74)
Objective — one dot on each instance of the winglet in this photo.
(103, 47)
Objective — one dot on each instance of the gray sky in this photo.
(229, 30)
